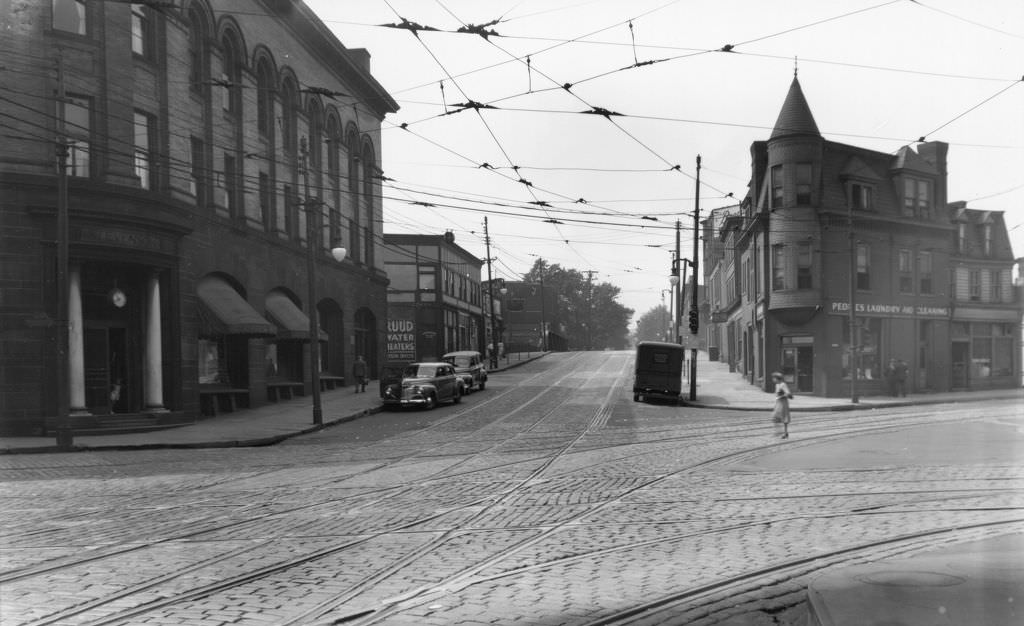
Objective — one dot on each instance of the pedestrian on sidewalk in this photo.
(890, 375)
(359, 373)
(901, 378)
(780, 414)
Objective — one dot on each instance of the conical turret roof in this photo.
(795, 117)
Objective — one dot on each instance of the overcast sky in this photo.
(877, 74)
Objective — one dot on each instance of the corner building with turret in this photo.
(828, 228)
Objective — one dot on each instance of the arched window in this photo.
(314, 134)
(231, 76)
(70, 16)
(289, 117)
(197, 52)
(314, 117)
(143, 32)
(334, 189)
(369, 171)
(333, 143)
(265, 98)
(352, 148)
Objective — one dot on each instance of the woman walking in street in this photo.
(780, 414)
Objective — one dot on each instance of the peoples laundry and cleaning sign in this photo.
(874, 308)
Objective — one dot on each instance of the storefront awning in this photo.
(223, 311)
(291, 322)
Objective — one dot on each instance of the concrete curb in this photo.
(862, 406)
(230, 443)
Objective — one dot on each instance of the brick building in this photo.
(200, 139)
(435, 300)
(533, 318)
(829, 227)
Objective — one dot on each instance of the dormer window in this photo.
(986, 232)
(961, 237)
(917, 198)
(862, 197)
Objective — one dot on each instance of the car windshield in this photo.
(419, 371)
(460, 361)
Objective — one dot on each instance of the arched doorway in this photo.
(365, 338)
(332, 354)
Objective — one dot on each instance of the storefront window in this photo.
(1002, 356)
(981, 357)
(271, 360)
(991, 350)
(210, 366)
(869, 331)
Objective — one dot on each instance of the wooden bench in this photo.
(284, 390)
(215, 399)
(331, 382)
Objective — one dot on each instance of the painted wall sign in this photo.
(401, 340)
(843, 308)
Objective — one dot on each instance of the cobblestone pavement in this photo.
(550, 498)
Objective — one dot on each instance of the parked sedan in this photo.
(468, 364)
(424, 385)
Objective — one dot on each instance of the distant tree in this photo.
(653, 324)
(592, 317)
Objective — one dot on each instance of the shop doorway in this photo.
(798, 363)
(961, 352)
(110, 386)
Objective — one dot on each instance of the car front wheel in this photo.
(431, 401)
(457, 398)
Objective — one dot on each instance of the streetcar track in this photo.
(669, 443)
(21, 573)
(760, 577)
(487, 502)
(541, 464)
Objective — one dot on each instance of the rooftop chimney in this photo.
(361, 58)
(934, 152)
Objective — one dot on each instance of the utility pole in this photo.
(314, 330)
(590, 309)
(490, 298)
(677, 296)
(543, 313)
(694, 311)
(854, 365)
(65, 435)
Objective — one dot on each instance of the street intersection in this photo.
(549, 498)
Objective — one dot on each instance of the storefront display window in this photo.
(869, 331)
(991, 350)
(210, 364)
(981, 357)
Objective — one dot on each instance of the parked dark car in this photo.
(424, 385)
(468, 364)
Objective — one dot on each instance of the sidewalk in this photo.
(717, 387)
(261, 426)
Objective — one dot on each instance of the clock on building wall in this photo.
(117, 297)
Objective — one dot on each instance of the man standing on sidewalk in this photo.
(359, 373)
(901, 378)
